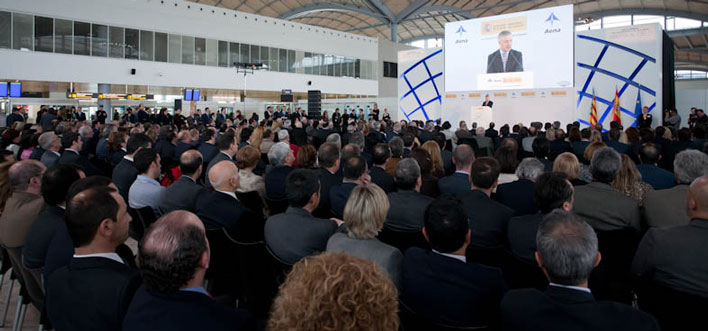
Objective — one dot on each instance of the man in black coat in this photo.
(407, 204)
(221, 208)
(173, 296)
(93, 292)
(459, 182)
(488, 218)
(440, 285)
(329, 161)
(208, 148)
(379, 176)
(518, 195)
(296, 234)
(183, 193)
(355, 173)
(227, 149)
(568, 303)
(281, 158)
(124, 173)
(72, 143)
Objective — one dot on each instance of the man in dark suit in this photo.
(328, 160)
(379, 176)
(568, 304)
(281, 158)
(580, 146)
(598, 203)
(355, 173)
(552, 190)
(183, 193)
(459, 182)
(296, 234)
(407, 204)
(227, 149)
(97, 282)
(221, 208)
(208, 148)
(518, 195)
(51, 143)
(184, 143)
(487, 102)
(440, 285)
(173, 296)
(124, 173)
(677, 257)
(658, 178)
(72, 143)
(505, 59)
(488, 218)
(15, 116)
(408, 142)
(644, 120)
(614, 141)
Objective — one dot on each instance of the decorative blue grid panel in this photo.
(422, 89)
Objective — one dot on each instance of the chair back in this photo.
(253, 201)
(403, 239)
(137, 226)
(30, 279)
(257, 279)
(276, 206)
(279, 267)
(674, 310)
(412, 321)
(612, 279)
(223, 273)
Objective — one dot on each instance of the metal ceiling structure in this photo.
(409, 20)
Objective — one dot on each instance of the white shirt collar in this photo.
(192, 179)
(55, 152)
(129, 158)
(124, 150)
(232, 194)
(112, 256)
(230, 157)
(456, 257)
(463, 172)
(577, 288)
(70, 149)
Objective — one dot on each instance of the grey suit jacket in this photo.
(604, 208)
(181, 195)
(49, 159)
(664, 208)
(296, 234)
(407, 210)
(387, 257)
(486, 144)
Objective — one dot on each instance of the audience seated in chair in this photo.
(459, 182)
(281, 159)
(124, 173)
(146, 191)
(51, 143)
(518, 195)
(221, 208)
(379, 157)
(328, 159)
(407, 204)
(355, 173)
(183, 194)
(227, 149)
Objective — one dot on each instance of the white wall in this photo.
(388, 51)
(690, 93)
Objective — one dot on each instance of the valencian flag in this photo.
(593, 110)
(616, 109)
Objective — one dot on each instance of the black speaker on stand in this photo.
(314, 104)
(178, 104)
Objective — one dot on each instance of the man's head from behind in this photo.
(354, 168)
(605, 165)
(407, 175)
(147, 162)
(56, 181)
(303, 189)
(463, 157)
(381, 153)
(697, 198)
(689, 165)
(26, 176)
(227, 143)
(190, 163)
(328, 156)
(136, 142)
(224, 176)
(567, 249)
(649, 154)
(446, 226)
(71, 140)
(553, 190)
(102, 228)
(485, 173)
(174, 252)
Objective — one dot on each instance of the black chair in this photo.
(674, 310)
(612, 279)
(276, 206)
(411, 321)
(137, 227)
(253, 201)
(520, 273)
(148, 216)
(490, 256)
(403, 239)
(223, 274)
(279, 268)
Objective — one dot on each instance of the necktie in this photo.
(505, 56)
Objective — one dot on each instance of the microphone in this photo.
(521, 67)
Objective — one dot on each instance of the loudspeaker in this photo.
(178, 104)
(132, 71)
(314, 103)
(286, 98)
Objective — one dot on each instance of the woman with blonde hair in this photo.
(307, 157)
(595, 136)
(247, 160)
(335, 291)
(568, 164)
(256, 137)
(364, 216)
(436, 157)
(629, 181)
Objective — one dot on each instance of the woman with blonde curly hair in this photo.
(256, 137)
(568, 164)
(436, 157)
(335, 292)
(364, 216)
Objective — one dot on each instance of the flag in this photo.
(616, 109)
(593, 110)
(638, 105)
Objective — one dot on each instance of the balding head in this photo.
(26, 176)
(463, 157)
(223, 176)
(190, 163)
(174, 253)
(697, 198)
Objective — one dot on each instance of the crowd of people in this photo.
(373, 224)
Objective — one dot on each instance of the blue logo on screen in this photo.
(461, 30)
(552, 18)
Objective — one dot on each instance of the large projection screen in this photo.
(524, 50)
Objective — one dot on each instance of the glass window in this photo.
(681, 23)
(43, 34)
(99, 40)
(418, 43)
(199, 51)
(212, 52)
(22, 31)
(146, 45)
(265, 55)
(82, 38)
(337, 66)
(646, 19)
(223, 54)
(255, 54)
(273, 59)
(357, 69)
(614, 21)
(160, 47)
(245, 53)
(187, 50)
(132, 37)
(5, 29)
(175, 53)
(63, 36)
(283, 60)
(291, 61)
(117, 42)
(307, 63)
(234, 50)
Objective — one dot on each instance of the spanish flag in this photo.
(616, 109)
(593, 110)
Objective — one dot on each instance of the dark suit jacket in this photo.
(181, 310)
(59, 252)
(117, 156)
(165, 148)
(514, 62)
(561, 308)
(37, 153)
(182, 194)
(604, 208)
(455, 184)
(579, 149)
(558, 147)
(124, 175)
(216, 159)
(644, 123)
(91, 293)
(49, 159)
(522, 235)
(296, 234)
(70, 157)
(675, 257)
(180, 148)
(658, 178)
(338, 196)
(488, 219)
(40, 235)
(275, 182)
(618, 146)
(518, 195)
(219, 210)
(380, 177)
(209, 151)
(407, 209)
(489, 103)
(327, 181)
(447, 291)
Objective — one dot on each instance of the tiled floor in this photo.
(31, 321)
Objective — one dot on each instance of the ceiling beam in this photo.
(410, 10)
(686, 32)
(331, 6)
(644, 11)
(382, 9)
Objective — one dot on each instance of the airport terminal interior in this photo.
(353, 165)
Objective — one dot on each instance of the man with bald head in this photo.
(183, 194)
(221, 208)
(459, 182)
(174, 256)
(677, 257)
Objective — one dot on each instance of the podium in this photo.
(480, 114)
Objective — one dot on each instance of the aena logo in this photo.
(460, 31)
(552, 18)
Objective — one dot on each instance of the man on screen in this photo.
(487, 102)
(505, 59)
